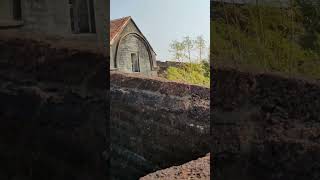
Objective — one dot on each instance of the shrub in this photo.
(192, 73)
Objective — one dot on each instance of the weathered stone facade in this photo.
(74, 19)
(126, 42)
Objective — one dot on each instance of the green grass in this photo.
(264, 38)
(191, 73)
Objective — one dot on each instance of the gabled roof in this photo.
(118, 25)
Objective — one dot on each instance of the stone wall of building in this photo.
(132, 44)
(156, 124)
(46, 16)
(264, 126)
(53, 18)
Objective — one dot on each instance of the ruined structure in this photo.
(129, 49)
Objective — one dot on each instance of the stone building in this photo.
(77, 19)
(129, 49)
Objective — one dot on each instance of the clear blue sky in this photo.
(163, 21)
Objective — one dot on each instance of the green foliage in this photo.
(192, 73)
(200, 44)
(188, 44)
(177, 48)
(184, 50)
(265, 37)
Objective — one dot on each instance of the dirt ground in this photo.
(197, 170)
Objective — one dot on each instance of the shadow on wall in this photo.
(265, 127)
(52, 112)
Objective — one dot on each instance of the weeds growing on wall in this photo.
(267, 37)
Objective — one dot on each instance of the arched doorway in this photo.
(133, 54)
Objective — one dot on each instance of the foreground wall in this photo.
(264, 126)
(55, 122)
(156, 124)
(52, 112)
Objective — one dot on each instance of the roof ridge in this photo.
(119, 25)
(126, 17)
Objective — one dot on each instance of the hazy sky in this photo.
(163, 21)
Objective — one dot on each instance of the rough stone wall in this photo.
(156, 124)
(102, 18)
(264, 126)
(6, 10)
(46, 16)
(53, 18)
(132, 44)
(163, 66)
(52, 112)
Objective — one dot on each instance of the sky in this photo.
(162, 21)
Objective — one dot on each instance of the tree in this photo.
(188, 45)
(177, 48)
(209, 54)
(200, 44)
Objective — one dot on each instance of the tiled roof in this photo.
(117, 25)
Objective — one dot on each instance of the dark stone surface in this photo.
(264, 126)
(52, 113)
(166, 123)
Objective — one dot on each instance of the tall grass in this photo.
(265, 37)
